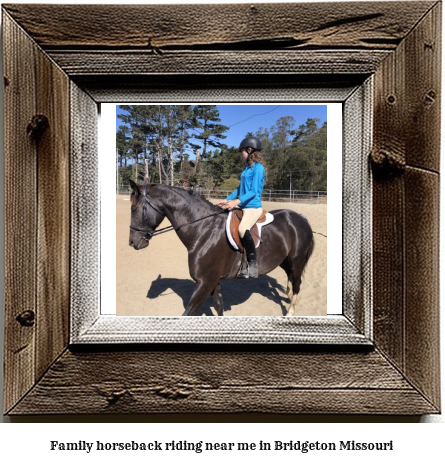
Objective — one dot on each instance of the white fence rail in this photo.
(294, 196)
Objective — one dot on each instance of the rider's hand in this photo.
(229, 204)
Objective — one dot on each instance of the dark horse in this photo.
(286, 242)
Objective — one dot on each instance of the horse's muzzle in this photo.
(138, 244)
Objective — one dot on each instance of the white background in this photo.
(107, 172)
(24, 441)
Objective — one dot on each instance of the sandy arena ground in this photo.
(155, 281)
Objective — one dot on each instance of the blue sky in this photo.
(244, 118)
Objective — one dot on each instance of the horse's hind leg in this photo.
(292, 306)
(296, 270)
(218, 300)
(289, 290)
(287, 268)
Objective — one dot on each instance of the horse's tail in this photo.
(309, 251)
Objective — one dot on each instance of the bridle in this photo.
(149, 233)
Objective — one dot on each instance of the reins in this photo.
(151, 234)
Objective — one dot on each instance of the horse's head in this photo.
(146, 216)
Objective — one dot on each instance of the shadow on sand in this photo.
(234, 292)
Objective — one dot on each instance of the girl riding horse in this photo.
(247, 196)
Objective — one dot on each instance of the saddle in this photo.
(232, 225)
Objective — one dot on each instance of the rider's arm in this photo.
(256, 186)
(234, 194)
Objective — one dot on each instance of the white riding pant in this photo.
(250, 217)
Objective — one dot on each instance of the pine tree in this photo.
(207, 120)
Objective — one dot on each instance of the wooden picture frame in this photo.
(56, 72)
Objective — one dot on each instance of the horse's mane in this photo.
(199, 197)
(191, 194)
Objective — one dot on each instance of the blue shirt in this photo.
(251, 187)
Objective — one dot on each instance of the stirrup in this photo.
(250, 272)
(243, 274)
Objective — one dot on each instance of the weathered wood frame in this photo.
(62, 66)
(352, 326)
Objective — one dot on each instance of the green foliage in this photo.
(230, 184)
(209, 129)
(125, 174)
(222, 164)
(296, 158)
(162, 134)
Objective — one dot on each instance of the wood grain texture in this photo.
(162, 39)
(388, 200)
(388, 268)
(53, 200)
(357, 208)
(406, 206)
(421, 212)
(37, 214)
(423, 92)
(85, 240)
(422, 281)
(129, 63)
(20, 213)
(214, 381)
(229, 88)
(304, 45)
(275, 25)
(107, 329)
(408, 98)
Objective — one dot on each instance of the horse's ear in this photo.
(135, 188)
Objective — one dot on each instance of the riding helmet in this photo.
(251, 141)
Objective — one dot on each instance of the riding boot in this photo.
(252, 265)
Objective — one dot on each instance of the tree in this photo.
(208, 121)
(263, 135)
(134, 136)
(163, 135)
(281, 131)
(230, 184)
(186, 174)
(164, 132)
(185, 121)
(122, 145)
(295, 158)
(153, 127)
(280, 153)
(167, 129)
(310, 167)
(224, 163)
(305, 130)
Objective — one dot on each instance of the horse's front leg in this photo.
(200, 294)
(218, 300)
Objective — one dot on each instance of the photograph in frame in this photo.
(294, 151)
